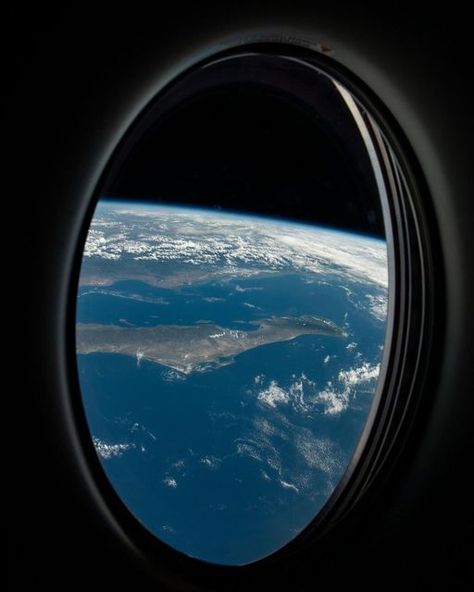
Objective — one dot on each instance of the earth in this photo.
(227, 364)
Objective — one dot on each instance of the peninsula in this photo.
(190, 348)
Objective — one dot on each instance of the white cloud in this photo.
(295, 394)
(211, 462)
(168, 528)
(248, 289)
(360, 374)
(239, 245)
(378, 305)
(250, 449)
(273, 395)
(319, 453)
(217, 335)
(250, 305)
(334, 402)
(297, 391)
(106, 450)
(287, 485)
(264, 426)
(137, 427)
(303, 396)
(259, 447)
(139, 356)
(170, 482)
(173, 376)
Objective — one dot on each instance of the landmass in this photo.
(164, 276)
(196, 347)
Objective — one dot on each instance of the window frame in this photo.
(412, 305)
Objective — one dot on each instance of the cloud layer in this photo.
(202, 238)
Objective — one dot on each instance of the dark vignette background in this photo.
(73, 73)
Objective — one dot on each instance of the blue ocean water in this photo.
(205, 461)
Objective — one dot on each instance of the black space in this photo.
(249, 147)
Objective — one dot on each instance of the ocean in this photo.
(230, 464)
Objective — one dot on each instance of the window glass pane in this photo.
(228, 360)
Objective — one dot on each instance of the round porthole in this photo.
(251, 306)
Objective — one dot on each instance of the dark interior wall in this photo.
(78, 79)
